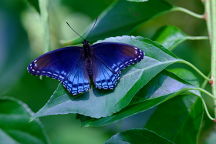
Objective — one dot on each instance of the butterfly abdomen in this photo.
(88, 63)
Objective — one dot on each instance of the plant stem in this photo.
(44, 4)
(205, 82)
(184, 10)
(203, 101)
(210, 8)
(196, 69)
(206, 109)
(197, 37)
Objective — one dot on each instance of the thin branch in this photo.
(197, 37)
(184, 10)
(195, 68)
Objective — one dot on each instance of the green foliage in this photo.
(170, 37)
(157, 91)
(15, 125)
(11, 60)
(178, 120)
(123, 16)
(35, 4)
(156, 59)
(169, 94)
(137, 136)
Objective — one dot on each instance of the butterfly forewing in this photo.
(65, 64)
(109, 59)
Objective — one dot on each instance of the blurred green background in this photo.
(21, 40)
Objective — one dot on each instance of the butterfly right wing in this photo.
(66, 65)
(103, 76)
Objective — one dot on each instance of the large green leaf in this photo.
(160, 89)
(13, 48)
(137, 136)
(121, 17)
(97, 103)
(170, 36)
(178, 119)
(15, 125)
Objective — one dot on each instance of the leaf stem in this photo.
(203, 91)
(197, 37)
(196, 69)
(203, 101)
(205, 82)
(206, 109)
(184, 10)
(43, 4)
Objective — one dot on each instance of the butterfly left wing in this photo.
(66, 65)
(109, 59)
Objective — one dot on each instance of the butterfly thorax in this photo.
(87, 50)
(87, 56)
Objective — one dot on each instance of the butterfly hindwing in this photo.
(77, 80)
(110, 59)
(103, 76)
(66, 65)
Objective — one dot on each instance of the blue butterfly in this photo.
(76, 67)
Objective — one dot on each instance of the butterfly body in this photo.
(76, 67)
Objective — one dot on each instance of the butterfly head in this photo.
(85, 43)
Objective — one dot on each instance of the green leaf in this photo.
(170, 37)
(96, 103)
(178, 119)
(160, 89)
(15, 125)
(137, 136)
(35, 4)
(121, 17)
(13, 48)
(185, 75)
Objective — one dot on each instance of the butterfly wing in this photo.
(66, 65)
(103, 76)
(109, 59)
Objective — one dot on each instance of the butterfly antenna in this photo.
(91, 27)
(74, 31)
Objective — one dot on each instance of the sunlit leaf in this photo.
(160, 89)
(170, 37)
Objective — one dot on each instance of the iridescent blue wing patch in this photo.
(110, 59)
(103, 76)
(66, 65)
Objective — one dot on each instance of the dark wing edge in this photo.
(137, 55)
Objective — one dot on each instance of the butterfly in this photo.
(77, 66)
